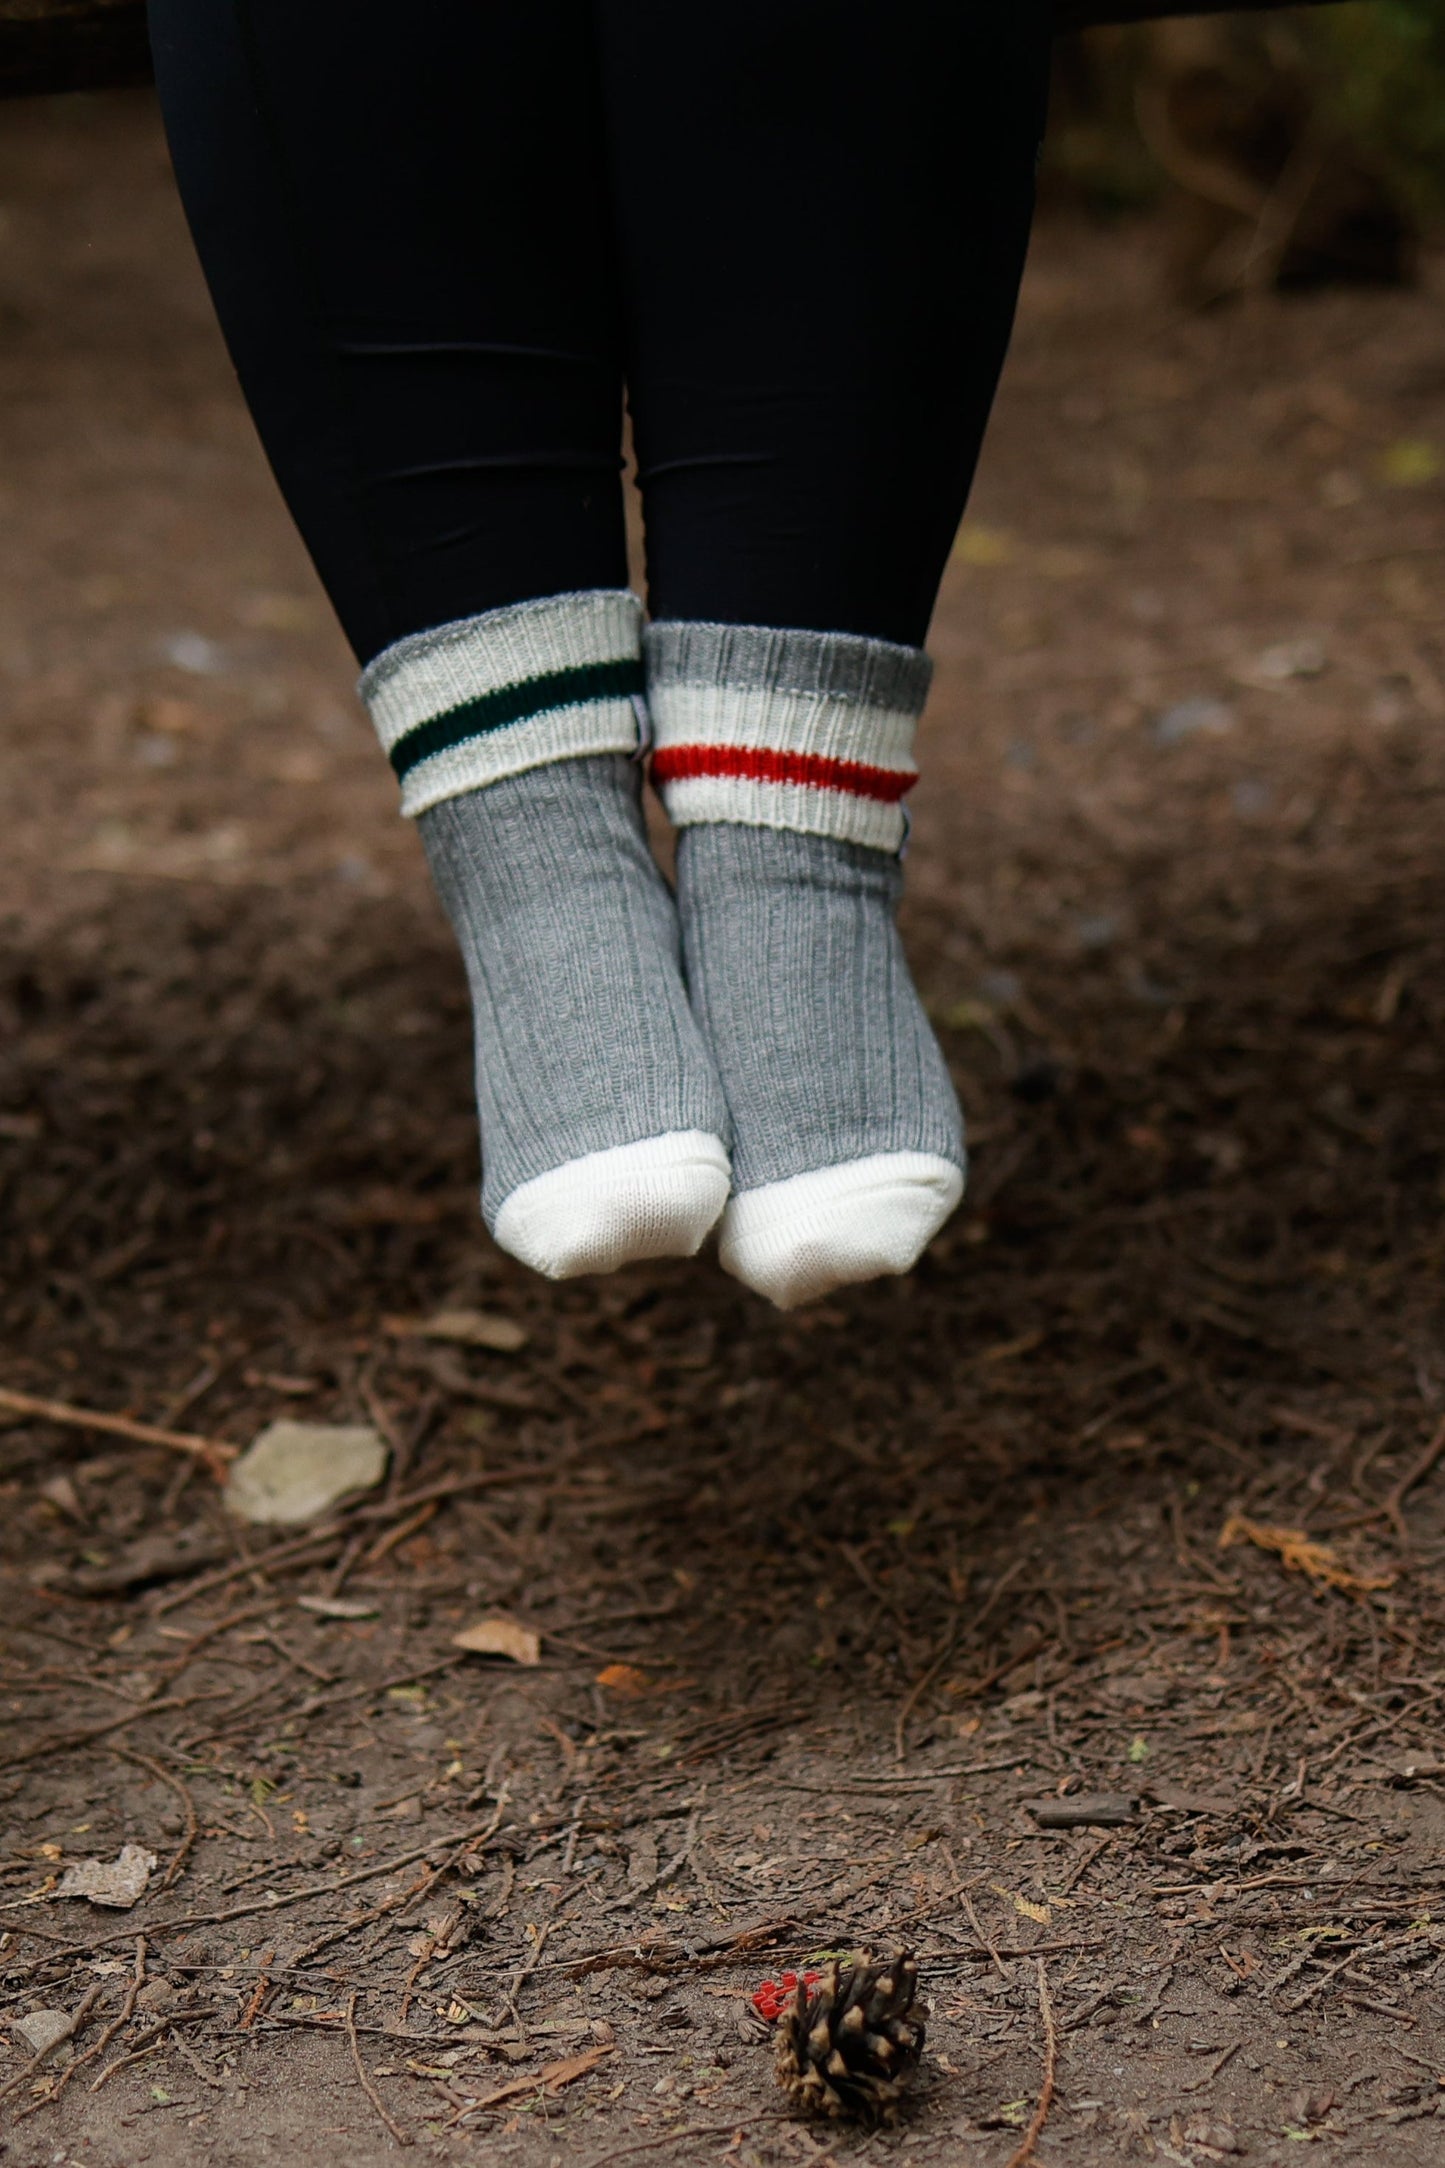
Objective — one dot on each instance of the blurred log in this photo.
(50, 45)
(1266, 193)
(1095, 14)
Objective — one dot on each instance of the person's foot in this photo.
(602, 1116)
(783, 757)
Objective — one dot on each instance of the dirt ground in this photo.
(824, 1601)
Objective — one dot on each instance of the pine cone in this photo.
(848, 2046)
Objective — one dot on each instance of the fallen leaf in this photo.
(295, 1471)
(1410, 462)
(1298, 1554)
(500, 1637)
(624, 1679)
(60, 1492)
(552, 2077)
(336, 1606)
(465, 1328)
(1024, 1905)
(120, 1882)
(983, 545)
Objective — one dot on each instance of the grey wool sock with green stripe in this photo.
(514, 736)
(783, 757)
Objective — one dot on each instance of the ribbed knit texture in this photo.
(800, 984)
(804, 730)
(584, 1038)
(602, 1117)
(495, 695)
(848, 1146)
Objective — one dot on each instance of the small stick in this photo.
(572, 1834)
(193, 1826)
(1224, 2056)
(900, 1728)
(62, 1742)
(1024, 2150)
(280, 1554)
(309, 1950)
(22, 2077)
(680, 2137)
(402, 1533)
(148, 2041)
(263, 1989)
(362, 2073)
(411, 1979)
(214, 1452)
(117, 2024)
(988, 1944)
(1414, 1474)
(465, 1840)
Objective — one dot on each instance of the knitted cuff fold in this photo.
(811, 731)
(490, 696)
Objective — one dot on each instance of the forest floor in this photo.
(824, 1601)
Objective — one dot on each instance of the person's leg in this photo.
(402, 218)
(823, 208)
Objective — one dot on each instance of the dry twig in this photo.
(23, 2076)
(214, 1452)
(402, 2137)
(182, 1792)
(1024, 2150)
(98, 2046)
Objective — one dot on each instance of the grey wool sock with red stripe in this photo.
(514, 736)
(783, 758)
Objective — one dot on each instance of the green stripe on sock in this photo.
(592, 681)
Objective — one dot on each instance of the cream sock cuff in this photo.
(486, 697)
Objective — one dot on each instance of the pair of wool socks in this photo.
(751, 1052)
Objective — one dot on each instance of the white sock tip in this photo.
(797, 1240)
(659, 1198)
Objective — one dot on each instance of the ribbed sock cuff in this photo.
(811, 731)
(491, 696)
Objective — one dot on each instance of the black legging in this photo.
(442, 235)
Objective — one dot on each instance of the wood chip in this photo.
(500, 1636)
(1085, 1810)
(336, 1606)
(463, 1328)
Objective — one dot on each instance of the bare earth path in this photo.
(823, 1601)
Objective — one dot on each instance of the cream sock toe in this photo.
(659, 1198)
(794, 1241)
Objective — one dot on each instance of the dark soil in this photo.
(875, 1575)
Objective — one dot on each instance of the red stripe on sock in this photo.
(809, 771)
